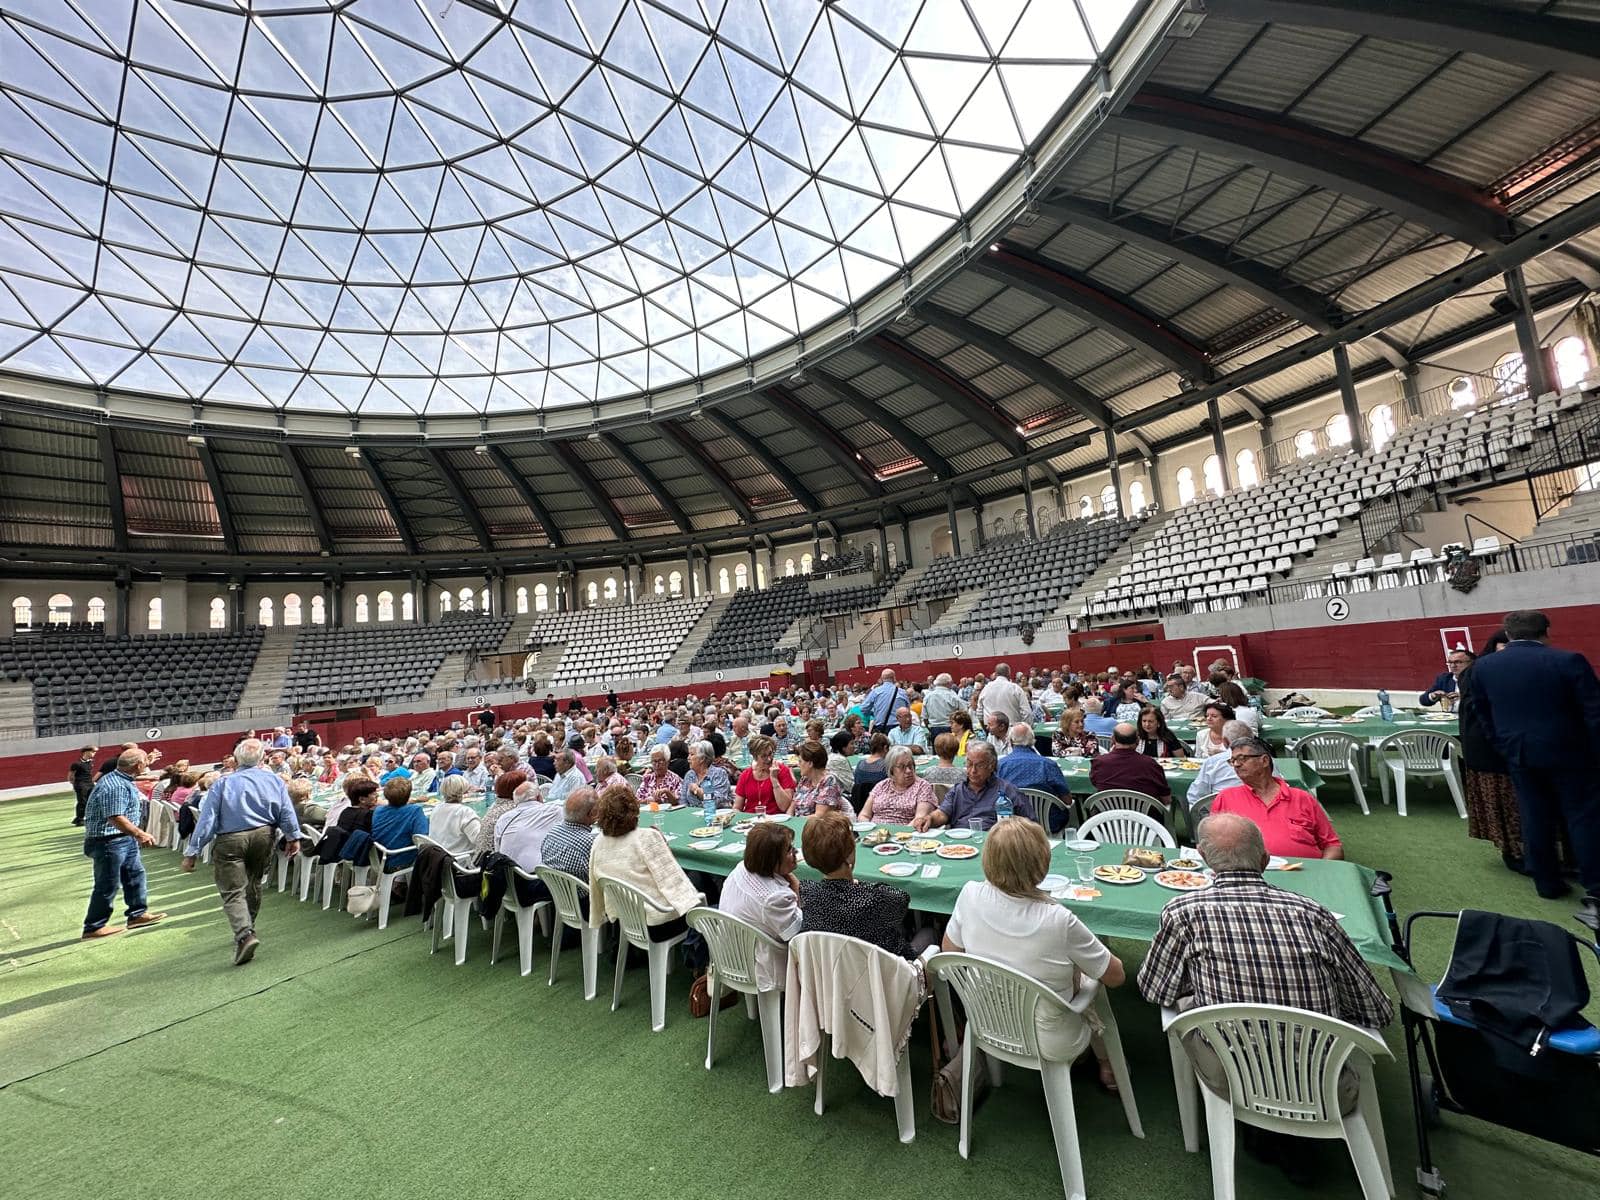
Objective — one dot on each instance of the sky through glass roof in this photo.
(398, 206)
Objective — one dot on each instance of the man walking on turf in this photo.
(246, 812)
(111, 840)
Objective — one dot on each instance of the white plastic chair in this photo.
(1306, 712)
(1124, 827)
(1332, 753)
(1047, 804)
(734, 945)
(526, 917)
(333, 875)
(567, 896)
(1125, 800)
(452, 916)
(632, 907)
(378, 858)
(305, 873)
(1282, 1066)
(1424, 753)
(1371, 710)
(1003, 1008)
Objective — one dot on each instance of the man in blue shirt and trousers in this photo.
(111, 840)
(245, 812)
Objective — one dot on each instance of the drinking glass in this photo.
(1069, 834)
(1085, 865)
(976, 825)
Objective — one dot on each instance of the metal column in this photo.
(1027, 499)
(1116, 467)
(955, 532)
(1219, 444)
(1347, 396)
(1533, 359)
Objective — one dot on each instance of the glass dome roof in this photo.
(469, 207)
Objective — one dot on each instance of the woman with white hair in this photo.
(660, 783)
(452, 824)
(704, 779)
(902, 794)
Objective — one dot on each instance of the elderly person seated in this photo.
(763, 787)
(1155, 739)
(660, 784)
(1217, 771)
(971, 804)
(944, 769)
(566, 847)
(905, 733)
(871, 770)
(422, 773)
(1243, 941)
(900, 797)
(1179, 703)
(506, 787)
(1209, 739)
(520, 836)
(567, 776)
(1094, 722)
(839, 764)
(704, 780)
(1071, 739)
(764, 891)
(605, 773)
(541, 760)
(1007, 919)
(642, 859)
(998, 728)
(739, 739)
(1124, 767)
(1291, 820)
(784, 738)
(677, 757)
(452, 824)
(353, 809)
(840, 903)
(397, 823)
(816, 788)
(1025, 767)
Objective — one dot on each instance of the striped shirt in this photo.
(114, 796)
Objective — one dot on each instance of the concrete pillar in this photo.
(1027, 500)
(751, 582)
(1347, 397)
(905, 543)
(977, 512)
(883, 545)
(1219, 443)
(336, 603)
(119, 615)
(1533, 356)
(955, 530)
(1157, 496)
(1410, 397)
(1116, 467)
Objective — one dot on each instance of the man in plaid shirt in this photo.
(1243, 941)
(111, 840)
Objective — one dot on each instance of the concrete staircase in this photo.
(951, 618)
(263, 690)
(16, 706)
(517, 636)
(902, 588)
(678, 664)
(1578, 517)
(450, 674)
(1072, 606)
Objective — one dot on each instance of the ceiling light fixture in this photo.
(353, 451)
(480, 449)
(194, 439)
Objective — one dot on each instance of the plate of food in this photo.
(744, 826)
(1189, 764)
(706, 831)
(1183, 881)
(1119, 875)
(1186, 864)
(876, 838)
(1144, 858)
(957, 851)
(900, 870)
(887, 849)
(704, 844)
(925, 846)
(904, 835)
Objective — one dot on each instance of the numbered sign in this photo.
(1338, 608)
(956, 650)
(153, 733)
(483, 699)
(719, 676)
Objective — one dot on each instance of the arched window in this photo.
(659, 587)
(1246, 473)
(408, 606)
(464, 596)
(1108, 499)
(264, 611)
(1461, 392)
(788, 567)
(319, 611)
(96, 611)
(1380, 426)
(805, 564)
(58, 610)
(675, 583)
(1305, 444)
(1588, 477)
(594, 593)
(361, 609)
(22, 612)
(219, 613)
(1136, 495)
(1085, 507)
(1019, 520)
(741, 576)
(999, 527)
(446, 602)
(1510, 377)
(1185, 485)
(609, 591)
(1337, 430)
(541, 597)
(291, 609)
(722, 581)
(483, 600)
(1572, 362)
(761, 576)
(889, 558)
(386, 606)
(522, 600)
(152, 616)
(1211, 472)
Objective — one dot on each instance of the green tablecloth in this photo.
(1372, 730)
(1178, 779)
(1127, 912)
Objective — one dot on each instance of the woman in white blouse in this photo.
(453, 824)
(1210, 739)
(764, 891)
(1008, 919)
(642, 859)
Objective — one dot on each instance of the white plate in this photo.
(1051, 883)
(864, 826)
(1082, 845)
(958, 834)
(1277, 863)
(888, 849)
(900, 870)
(704, 844)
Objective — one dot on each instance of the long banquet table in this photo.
(1281, 733)
(1126, 911)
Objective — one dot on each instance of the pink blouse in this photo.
(893, 806)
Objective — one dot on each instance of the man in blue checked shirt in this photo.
(245, 812)
(111, 840)
(1025, 767)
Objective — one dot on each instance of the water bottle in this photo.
(1002, 807)
(709, 807)
(1385, 709)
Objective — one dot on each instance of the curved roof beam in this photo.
(1537, 41)
(113, 478)
(579, 474)
(391, 501)
(1133, 324)
(870, 410)
(469, 511)
(319, 523)
(547, 523)
(854, 463)
(656, 488)
(219, 498)
(946, 386)
(1348, 166)
(713, 473)
(771, 463)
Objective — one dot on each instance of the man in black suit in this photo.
(1542, 708)
(1444, 684)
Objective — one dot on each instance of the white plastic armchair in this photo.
(525, 915)
(1306, 712)
(632, 909)
(1282, 1068)
(378, 859)
(306, 867)
(452, 915)
(1125, 800)
(1329, 752)
(1003, 1008)
(1423, 753)
(1124, 827)
(569, 896)
(1047, 804)
(734, 946)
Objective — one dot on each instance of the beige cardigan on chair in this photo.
(643, 860)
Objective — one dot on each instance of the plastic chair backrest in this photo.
(630, 906)
(1046, 803)
(1125, 799)
(1423, 750)
(940, 790)
(566, 893)
(1306, 711)
(634, 780)
(1003, 1005)
(1371, 710)
(1329, 751)
(1124, 827)
(733, 943)
(1281, 1063)
(1200, 809)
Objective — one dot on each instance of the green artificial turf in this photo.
(349, 1062)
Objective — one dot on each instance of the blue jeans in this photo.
(116, 861)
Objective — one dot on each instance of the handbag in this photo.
(361, 899)
(945, 1093)
(700, 997)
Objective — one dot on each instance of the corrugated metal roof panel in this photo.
(1279, 65)
(1459, 95)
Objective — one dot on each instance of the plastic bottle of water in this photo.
(709, 806)
(1385, 709)
(1002, 807)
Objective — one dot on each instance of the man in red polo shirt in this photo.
(1292, 822)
